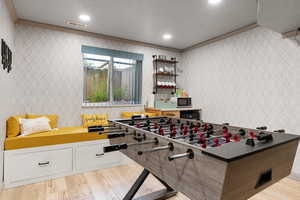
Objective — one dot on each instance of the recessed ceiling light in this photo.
(84, 18)
(214, 2)
(167, 36)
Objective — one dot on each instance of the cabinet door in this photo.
(90, 157)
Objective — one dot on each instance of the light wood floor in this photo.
(113, 183)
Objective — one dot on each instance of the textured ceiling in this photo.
(189, 21)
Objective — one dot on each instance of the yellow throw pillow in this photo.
(94, 120)
(128, 115)
(149, 114)
(13, 126)
(53, 119)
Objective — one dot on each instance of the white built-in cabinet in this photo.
(31, 165)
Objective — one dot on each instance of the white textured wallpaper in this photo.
(50, 72)
(8, 99)
(249, 80)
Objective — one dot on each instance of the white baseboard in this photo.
(295, 176)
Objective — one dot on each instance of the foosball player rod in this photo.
(117, 147)
(189, 154)
(154, 141)
(169, 147)
(112, 130)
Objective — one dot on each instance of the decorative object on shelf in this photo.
(164, 74)
(6, 56)
(162, 57)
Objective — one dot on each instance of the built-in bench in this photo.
(59, 152)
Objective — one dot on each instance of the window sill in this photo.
(99, 105)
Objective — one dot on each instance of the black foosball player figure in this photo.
(242, 132)
(192, 135)
(181, 127)
(192, 125)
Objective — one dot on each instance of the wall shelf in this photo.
(165, 61)
(164, 71)
(165, 74)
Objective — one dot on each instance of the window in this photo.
(111, 77)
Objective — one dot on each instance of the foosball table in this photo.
(204, 161)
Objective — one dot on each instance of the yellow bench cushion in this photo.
(59, 136)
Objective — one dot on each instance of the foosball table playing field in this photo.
(204, 161)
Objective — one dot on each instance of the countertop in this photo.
(175, 109)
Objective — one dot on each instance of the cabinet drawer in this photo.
(37, 164)
(93, 157)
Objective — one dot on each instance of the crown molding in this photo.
(96, 35)
(290, 34)
(134, 42)
(222, 37)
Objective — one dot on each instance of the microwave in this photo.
(184, 102)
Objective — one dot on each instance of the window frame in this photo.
(138, 58)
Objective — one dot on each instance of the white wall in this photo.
(250, 80)
(50, 71)
(8, 104)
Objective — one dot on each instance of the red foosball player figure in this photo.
(252, 135)
(205, 127)
(173, 133)
(217, 142)
(161, 132)
(203, 141)
(236, 138)
(185, 130)
(196, 129)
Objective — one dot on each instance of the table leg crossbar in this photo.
(158, 195)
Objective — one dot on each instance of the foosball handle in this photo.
(262, 128)
(115, 147)
(115, 135)
(279, 131)
(95, 129)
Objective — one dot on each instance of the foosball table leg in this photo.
(158, 195)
